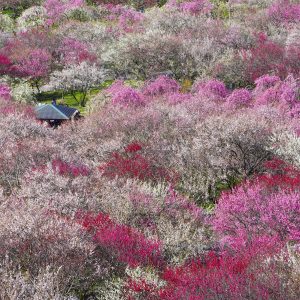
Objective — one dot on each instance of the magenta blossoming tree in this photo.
(250, 212)
(57, 8)
(125, 95)
(36, 66)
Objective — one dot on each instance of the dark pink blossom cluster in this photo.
(160, 86)
(69, 169)
(126, 244)
(211, 88)
(5, 92)
(133, 164)
(284, 11)
(125, 95)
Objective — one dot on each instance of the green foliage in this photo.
(161, 2)
(14, 8)
(79, 15)
(8, 11)
(221, 9)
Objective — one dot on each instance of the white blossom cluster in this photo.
(23, 92)
(287, 146)
(31, 17)
(6, 23)
(80, 77)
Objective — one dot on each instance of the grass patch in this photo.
(8, 11)
(13, 12)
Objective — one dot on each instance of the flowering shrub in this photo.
(133, 147)
(211, 88)
(35, 65)
(271, 57)
(216, 276)
(82, 77)
(73, 51)
(239, 98)
(271, 90)
(5, 92)
(5, 64)
(57, 8)
(134, 165)
(32, 17)
(128, 19)
(125, 95)
(249, 212)
(280, 175)
(128, 245)
(47, 241)
(284, 11)
(264, 82)
(160, 86)
(64, 169)
(286, 146)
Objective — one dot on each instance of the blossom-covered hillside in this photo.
(182, 179)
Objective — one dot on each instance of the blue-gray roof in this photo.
(54, 112)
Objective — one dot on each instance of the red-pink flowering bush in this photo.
(279, 175)
(66, 169)
(125, 95)
(216, 278)
(264, 82)
(268, 56)
(5, 64)
(160, 86)
(135, 165)
(238, 276)
(133, 147)
(126, 244)
(213, 88)
(239, 98)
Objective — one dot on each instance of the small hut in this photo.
(55, 114)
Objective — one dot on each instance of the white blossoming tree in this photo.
(78, 78)
(6, 23)
(31, 17)
(287, 146)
